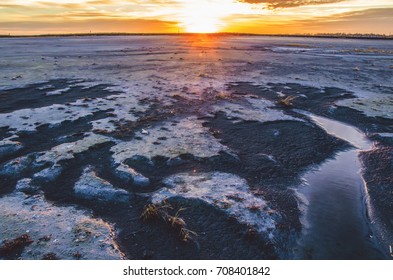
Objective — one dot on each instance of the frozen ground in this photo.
(96, 129)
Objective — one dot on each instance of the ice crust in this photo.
(91, 187)
(186, 136)
(227, 192)
(64, 231)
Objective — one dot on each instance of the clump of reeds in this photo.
(287, 101)
(176, 223)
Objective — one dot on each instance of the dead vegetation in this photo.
(287, 101)
(50, 256)
(15, 246)
(161, 212)
(77, 256)
(223, 96)
(155, 211)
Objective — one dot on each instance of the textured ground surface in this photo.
(200, 131)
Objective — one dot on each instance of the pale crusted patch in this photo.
(64, 231)
(188, 136)
(227, 192)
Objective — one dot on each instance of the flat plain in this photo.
(196, 147)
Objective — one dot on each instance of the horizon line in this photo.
(317, 35)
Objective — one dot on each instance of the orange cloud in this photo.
(365, 21)
(274, 4)
(161, 16)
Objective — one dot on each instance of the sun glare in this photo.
(202, 17)
(202, 26)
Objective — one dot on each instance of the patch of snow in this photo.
(46, 87)
(123, 106)
(227, 192)
(90, 186)
(378, 105)
(187, 136)
(29, 119)
(255, 109)
(48, 174)
(8, 147)
(58, 91)
(68, 150)
(25, 185)
(385, 135)
(129, 175)
(16, 166)
(63, 231)
(106, 124)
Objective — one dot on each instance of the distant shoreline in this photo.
(330, 36)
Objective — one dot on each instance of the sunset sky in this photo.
(158, 16)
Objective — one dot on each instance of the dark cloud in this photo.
(275, 4)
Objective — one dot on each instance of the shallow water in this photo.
(333, 203)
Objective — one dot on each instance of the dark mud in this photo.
(271, 156)
(318, 101)
(377, 163)
(35, 96)
(12, 249)
(275, 150)
(67, 131)
(377, 173)
(271, 159)
(218, 236)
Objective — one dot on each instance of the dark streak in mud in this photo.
(4, 132)
(48, 136)
(34, 96)
(317, 101)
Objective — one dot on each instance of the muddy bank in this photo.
(322, 101)
(378, 167)
(376, 162)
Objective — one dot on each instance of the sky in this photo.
(27, 17)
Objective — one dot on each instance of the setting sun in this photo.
(205, 26)
(202, 17)
(29, 17)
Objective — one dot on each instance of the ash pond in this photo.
(333, 202)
